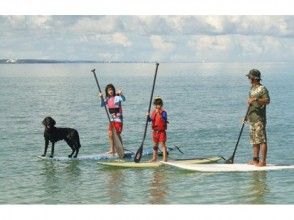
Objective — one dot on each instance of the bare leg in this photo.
(256, 149)
(111, 143)
(262, 162)
(164, 150)
(155, 152)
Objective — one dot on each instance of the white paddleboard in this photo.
(127, 164)
(131, 164)
(225, 167)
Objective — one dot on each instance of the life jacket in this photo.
(158, 123)
(112, 107)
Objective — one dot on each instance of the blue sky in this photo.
(149, 38)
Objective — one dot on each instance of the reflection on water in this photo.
(51, 181)
(158, 188)
(259, 187)
(59, 178)
(114, 189)
(73, 170)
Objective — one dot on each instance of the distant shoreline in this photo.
(38, 61)
(49, 61)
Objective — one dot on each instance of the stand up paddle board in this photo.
(103, 156)
(225, 167)
(128, 164)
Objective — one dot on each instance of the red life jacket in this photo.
(158, 123)
(112, 107)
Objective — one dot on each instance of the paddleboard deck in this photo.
(225, 167)
(128, 164)
(103, 156)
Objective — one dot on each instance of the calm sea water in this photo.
(205, 104)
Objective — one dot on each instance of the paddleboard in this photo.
(103, 156)
(128, 164)
(225, 167)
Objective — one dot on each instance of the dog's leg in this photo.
(77, 144)
(46, 147)
(52, 150)
(77, 151)
(70, 144)
(77, 147)
(72, 152)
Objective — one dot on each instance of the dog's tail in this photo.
(79, 143)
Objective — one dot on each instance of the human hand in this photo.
(100, 94)
(243, 120)
(119, 91)
(251, 100)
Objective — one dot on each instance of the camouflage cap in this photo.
(254, 74)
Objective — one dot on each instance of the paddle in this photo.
(117, 142)
(231, 159)
(138, 155)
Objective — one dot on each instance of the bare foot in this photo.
(111, 152)
(152, 161)
(261, 164)
(253, 162)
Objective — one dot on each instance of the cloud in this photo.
(96, 24)
(159, 44)
(167, 38)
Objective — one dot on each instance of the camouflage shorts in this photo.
(258, 133)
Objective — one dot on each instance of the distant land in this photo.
(31, 61)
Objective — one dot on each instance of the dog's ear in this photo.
(53, 122)
(44, 121)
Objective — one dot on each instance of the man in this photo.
(257, 101)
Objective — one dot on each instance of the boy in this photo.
(159, 125)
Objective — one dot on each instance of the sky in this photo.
(178, 38)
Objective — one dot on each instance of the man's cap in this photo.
(254, 74)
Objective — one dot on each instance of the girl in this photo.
(113, 101)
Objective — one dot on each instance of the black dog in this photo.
(54, 134)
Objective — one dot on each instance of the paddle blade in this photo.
(118, 144)
(178, 149)
(138, 155)
(230, 160)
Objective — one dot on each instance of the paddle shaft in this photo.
(93, 71)
(150, 102)
(231, 159)
(140, 150)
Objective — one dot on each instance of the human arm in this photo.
(122, 97)
(103, 101)
(261, 99)
(164, 116)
